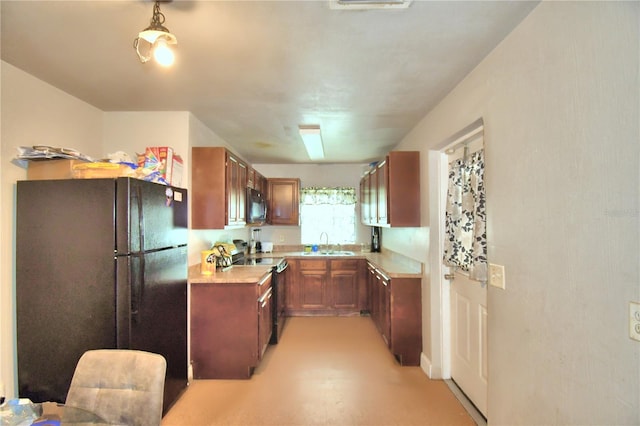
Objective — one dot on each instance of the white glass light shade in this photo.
(153, 43)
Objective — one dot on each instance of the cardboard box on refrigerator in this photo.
(51, 169)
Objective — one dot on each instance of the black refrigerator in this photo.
(100, 263)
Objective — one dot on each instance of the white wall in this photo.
(32, 113)
(133, 131)
(560, 102)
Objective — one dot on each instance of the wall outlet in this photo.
(634, 320)
(496, 276)
(281, 238)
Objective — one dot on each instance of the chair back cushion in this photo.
(121, 386)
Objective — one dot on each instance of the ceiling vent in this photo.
(369, 4)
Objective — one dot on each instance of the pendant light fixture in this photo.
(155, 40)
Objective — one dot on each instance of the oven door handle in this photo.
(266, 295)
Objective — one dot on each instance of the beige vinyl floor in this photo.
(324, 371)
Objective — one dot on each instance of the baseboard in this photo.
(434, 373)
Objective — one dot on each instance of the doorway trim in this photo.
(439, 366)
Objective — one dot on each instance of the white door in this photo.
(469, 339)
(468, 316)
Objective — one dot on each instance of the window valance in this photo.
(330, 196)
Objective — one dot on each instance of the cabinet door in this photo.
(344, 289)
(242, 194)
(233, 173)
(345, 284)
(373, 196)
(364, 199)
(372, 288)
(380, 304)
(312, 289)
(405, 322)
(251, 178)
(236, 193)
(208, 183)
(292, 288)
(284, 201)
(403, 188)
(385, 309)
(265, 316)
(383, 175)
(261, 184)
(224, 352)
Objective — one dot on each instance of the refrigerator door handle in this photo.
(137, 285)
(140, 220)
(136, 221)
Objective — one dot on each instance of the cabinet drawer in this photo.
(341, 264)
(316, 265)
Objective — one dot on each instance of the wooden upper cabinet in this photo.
(403, 188)
(261, 184)
(251, 178)
(218, 194)
(284, 201)
(393, 191)
(256, 181)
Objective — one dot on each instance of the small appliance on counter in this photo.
(267, 247)
(256, 240)
(375, 239)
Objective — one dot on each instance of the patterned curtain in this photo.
(465, 244)
(316, 196)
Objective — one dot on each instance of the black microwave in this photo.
(256, 207)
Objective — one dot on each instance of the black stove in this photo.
(279, 266)
(250, 260)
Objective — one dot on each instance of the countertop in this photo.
(392, 264)
(234, 275)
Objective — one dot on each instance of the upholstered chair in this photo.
(122, 386)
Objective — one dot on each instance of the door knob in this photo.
(449, 277)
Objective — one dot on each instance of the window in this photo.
(330, 210)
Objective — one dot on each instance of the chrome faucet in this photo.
(326, 246)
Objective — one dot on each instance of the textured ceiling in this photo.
(253, 71)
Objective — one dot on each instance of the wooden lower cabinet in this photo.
(338, 286)
(231, 325)
(396, 310)
(326, 287)
(312, 287)
(345, 284)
